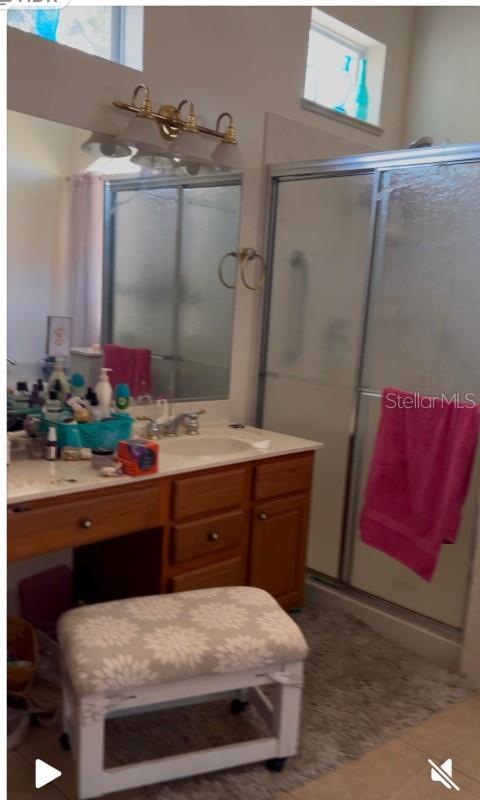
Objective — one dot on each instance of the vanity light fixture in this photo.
(225, 155)
(99, 144)
(188, 140)
(192, 150)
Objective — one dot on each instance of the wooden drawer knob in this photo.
(86, 523)
(213, 536)
(262, 515)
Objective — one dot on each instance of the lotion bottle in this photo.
(104, 392)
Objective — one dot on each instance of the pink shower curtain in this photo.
(85, 258)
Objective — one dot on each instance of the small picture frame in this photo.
(59, 335)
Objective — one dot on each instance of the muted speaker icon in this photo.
(443, 773)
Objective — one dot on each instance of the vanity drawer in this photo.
(71, 524)
(227, 573)
(204, 538)
(218, 491)
(287, 476)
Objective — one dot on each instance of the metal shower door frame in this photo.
(377, 165)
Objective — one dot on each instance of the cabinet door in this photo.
(278, 548)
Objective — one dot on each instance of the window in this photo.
(344, 69)
(113, 32)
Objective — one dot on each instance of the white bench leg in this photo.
(287, 710)
(90, 748)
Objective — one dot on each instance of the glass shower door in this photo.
(320, 265)
(423, 331)
(209, 229)
(144, 283)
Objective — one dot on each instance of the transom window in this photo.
(112, 32)
(344, 71)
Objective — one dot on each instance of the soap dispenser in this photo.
(104, 392)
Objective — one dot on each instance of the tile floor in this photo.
(397, 770)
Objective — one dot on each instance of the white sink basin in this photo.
(204, 446)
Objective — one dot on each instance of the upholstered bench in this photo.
(137, 655)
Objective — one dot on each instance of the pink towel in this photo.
(419, 477)
(130, 365)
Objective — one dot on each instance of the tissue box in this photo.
(138, 456)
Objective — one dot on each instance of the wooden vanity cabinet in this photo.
(207, 542)
(277, 558)
(242, 524)
(280, 517)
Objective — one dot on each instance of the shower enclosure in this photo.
(374, 281)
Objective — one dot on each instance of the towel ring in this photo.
(220, 270)
(245, 255)
(250, 254)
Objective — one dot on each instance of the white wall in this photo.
(443, 92)
(245, 59)
(38, 161)
(248, 60)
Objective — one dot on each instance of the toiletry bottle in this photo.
(21, 396)
(57, 387)
(104, 392)
(52, 407)
(35, 399)
(41, 390)
(122, 396)
(80, 409)
(78, 385)
(95, 408)
(163, 412)
(90, 394)
(58, 374)
(51, 446)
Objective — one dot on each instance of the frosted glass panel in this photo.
(143, 291)
(319, 278)
(424, 325)
(444, 598)
(164, 245)
(210, 218)
(322, 413)
(422, 335)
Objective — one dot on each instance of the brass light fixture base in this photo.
(169, 130)
(169, 120)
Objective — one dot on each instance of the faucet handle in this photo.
(195, 414)
(191, 421)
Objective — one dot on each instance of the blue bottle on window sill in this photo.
(46, 23)
(361, 101)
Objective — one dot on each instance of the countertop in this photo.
(40, 479)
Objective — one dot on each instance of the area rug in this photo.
(360, 690)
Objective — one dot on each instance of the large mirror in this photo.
(118, 250)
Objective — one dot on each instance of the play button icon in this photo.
(44, 773)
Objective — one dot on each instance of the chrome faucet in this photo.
(187, 418)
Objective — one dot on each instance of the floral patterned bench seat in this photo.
(147, 641)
